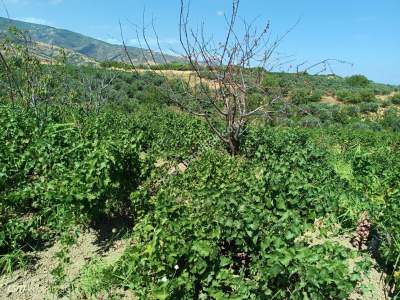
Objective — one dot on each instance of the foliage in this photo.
(396, 98)
(227, 229)
(391, 119)
(61, 173)
(356, 96)
(369, 107)
(358, 81)
(304, 95)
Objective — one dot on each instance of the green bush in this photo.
(357, 81)
(305, 95)
(391, 119)
(369, 107)
(58, 174)
(356, 96)
(346, 95)
(352, 110)
(367, 95)
(310, 121)
(387, 103)
(396, 99)
(227, 228)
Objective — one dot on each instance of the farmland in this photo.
(110, 188)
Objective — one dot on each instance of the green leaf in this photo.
(202, 248)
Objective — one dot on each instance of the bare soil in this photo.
(34, 283)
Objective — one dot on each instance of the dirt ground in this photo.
(34, 283)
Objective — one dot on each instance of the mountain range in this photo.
(79, 48)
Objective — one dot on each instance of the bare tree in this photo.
(237, 66)
(94, 89)
(229, 88)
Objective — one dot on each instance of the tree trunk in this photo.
(233, 144)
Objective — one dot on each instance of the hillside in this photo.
(153, 182)
(206, 178)
(84, 45)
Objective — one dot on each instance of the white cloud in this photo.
(220, 13)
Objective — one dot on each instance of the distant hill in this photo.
(76, 42)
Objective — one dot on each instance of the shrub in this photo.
(310, 121)
(340, 115)
(357, 81)
(362, 126)
(271, 81)
(55, 175)
(305, 95)
(387, 103)
(396, 99)
(367, 95)
(391, 119)
(356, 96)
(369, 107)
(227, 228)
(352, 110)
(347, 96)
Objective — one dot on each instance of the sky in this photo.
(365, 33)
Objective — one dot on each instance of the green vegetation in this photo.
(302, 96)
(82, 145)
(358, 81)
(396, 98)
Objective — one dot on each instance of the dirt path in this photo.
(34, 283)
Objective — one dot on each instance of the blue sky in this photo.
(364, 32)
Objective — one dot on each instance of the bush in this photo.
(352, 110)
(305, 95)
(55, 175)
(227, 228)
(356, 96)
(387, 103)
(391, 119)
(367, 95)
(396, 99)
(369, 107)
(347, 96)
(310, 121)
(360, 126)
(357, 81)
(340, 115)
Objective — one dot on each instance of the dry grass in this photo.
(329, 99)
(385, 97)
(187, 76)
